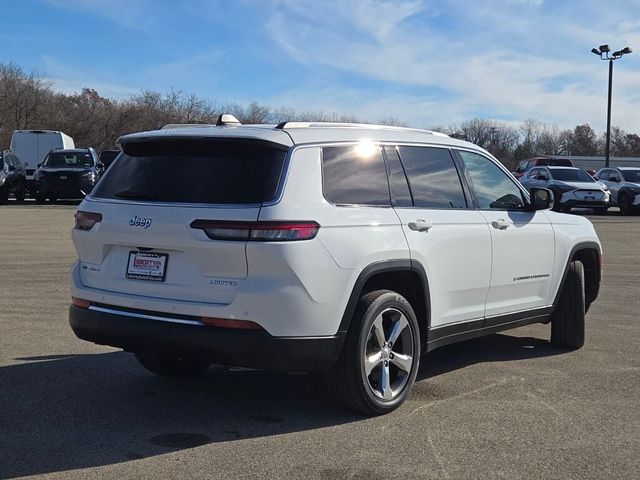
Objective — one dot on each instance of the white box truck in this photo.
(32, 146)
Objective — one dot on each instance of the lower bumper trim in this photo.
(224, 346)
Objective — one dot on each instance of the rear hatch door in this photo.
(145, 245)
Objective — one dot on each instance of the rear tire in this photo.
(40, 198)
(170, 365)
(567, 321)
(379, 360)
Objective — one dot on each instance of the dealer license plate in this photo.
(147, 266)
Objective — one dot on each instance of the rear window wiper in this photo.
(135, 195)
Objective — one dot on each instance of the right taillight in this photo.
(257, 231)
(86, 220)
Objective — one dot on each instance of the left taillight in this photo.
(86, 220)
(257, 231)
(80, 302)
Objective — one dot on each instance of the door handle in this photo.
(421, 225)
(501, 224)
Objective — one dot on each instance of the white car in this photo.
(572, 187)
(624, 184)
(343, 248)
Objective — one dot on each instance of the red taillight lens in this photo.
(86, 220)
(80, 302)
(257, 231)
(226, 323)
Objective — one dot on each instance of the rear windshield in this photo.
(69, 160)
(558, 162)
(571, 175)
(195, 171)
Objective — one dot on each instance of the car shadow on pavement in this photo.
(64, 412)
(493, 348)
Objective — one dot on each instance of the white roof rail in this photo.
(284, 125)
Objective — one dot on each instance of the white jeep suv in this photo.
(343, 248)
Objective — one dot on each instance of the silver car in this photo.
(624, 185)
(571, 187)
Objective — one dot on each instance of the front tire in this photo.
(171, 365)
(379, 361)
(20, 194)
(601, 210)
(567, 321)
(625, 204)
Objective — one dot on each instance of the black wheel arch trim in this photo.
(386, 266)
(595, 289)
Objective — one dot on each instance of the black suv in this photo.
(12, 177)
(68, 173)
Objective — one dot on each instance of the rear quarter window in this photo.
(355, 175)
(195, 171)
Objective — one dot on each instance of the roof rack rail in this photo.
(283, 125)
(185, 125)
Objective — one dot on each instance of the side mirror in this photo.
(541, 199)
(37, 166)
(11, 168)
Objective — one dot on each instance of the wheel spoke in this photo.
(371, 362)
(403, 362)
(398, 326)
(378, 331)
(385, 383)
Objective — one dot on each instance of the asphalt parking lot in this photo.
(504, 406)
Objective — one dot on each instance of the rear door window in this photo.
(195, 171)
(355, 175)
(433, 177)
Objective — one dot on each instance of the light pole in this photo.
(603, 52)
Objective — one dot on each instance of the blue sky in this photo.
(423, 62)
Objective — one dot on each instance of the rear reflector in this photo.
(86, 220)
(226, 323)
(80, 302)
(257, 231)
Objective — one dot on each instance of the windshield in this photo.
(195, 171)
(68, 160)
(632, 176)
(570, 175)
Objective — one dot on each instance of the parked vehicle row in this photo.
(46, 165)
(575, 187)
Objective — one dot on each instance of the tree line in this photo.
(29, 101)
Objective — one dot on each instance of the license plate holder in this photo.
(147, 266)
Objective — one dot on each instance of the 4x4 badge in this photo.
(137, 221)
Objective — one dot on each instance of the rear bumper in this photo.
(225, 346)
